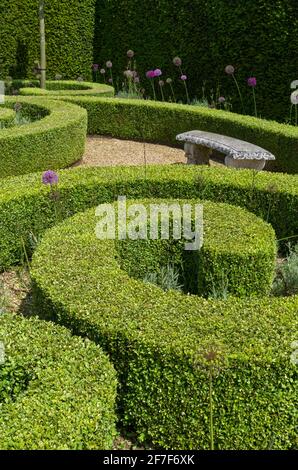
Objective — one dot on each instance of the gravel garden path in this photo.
(108, 151)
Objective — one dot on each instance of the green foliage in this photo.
(167, 279)
(237, 244)
(158, 342)
(63, 88)
(69, 37)
(7, 118)
(26, 206)
(257, 39)
(52, 136)
(58, 391)
(161, 122)
(286, 281)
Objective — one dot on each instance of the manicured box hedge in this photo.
(63, 88)
(239, 250)
(7, 117)
(56, 391)
(26, 206)
(161, 122)
(160, 343)
(56, 140)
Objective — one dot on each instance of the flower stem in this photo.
(153, 89)
(255, 104)
(172, 90)
(186, 91)
(211, 411)
(162, 95)
(239, 93)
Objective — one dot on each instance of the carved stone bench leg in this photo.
(197, 154)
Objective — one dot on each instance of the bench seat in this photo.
(239, 153)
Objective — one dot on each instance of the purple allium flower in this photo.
(161, 83)
(229, 69)
(102, 71)
(150, 74)
(109, 64)
(17, 107)
(130, 54)
(110, 80)
(221, 99)
(169, 81)
(50, 177)
(177, 61)
(252, 81)
(95, 67)
(157, 72)
(183, 78)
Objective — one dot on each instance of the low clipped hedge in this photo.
(27, 206)
(56, 391)
(161, 122)
(63, 88)
(165, 345)
(55, 139)
(239, 250)
(7, 117)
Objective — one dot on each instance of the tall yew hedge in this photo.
(259, 37)
(69, 36)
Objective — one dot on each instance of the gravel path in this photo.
(107, 151)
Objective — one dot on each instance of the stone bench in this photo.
(238, 153)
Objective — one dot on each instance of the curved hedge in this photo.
(26, 206)
(7, 117)
(160, 342)
(56, 391)
(63, 88)
(161, 122)
(56, 140)
(239, 250)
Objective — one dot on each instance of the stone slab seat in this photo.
(239, 154)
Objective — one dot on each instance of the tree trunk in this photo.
(42, 45)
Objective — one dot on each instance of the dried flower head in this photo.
(109, 64)
(102, 71)
(177, 61)
(110, 80)
(128, 73)
(130, 54)
(169, 81)
(229, 69)
(50, 177)
(17, 107)
(161, 83)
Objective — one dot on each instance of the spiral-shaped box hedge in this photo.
(56, 391)
(54, 139)
(157, 340)
(64, 88)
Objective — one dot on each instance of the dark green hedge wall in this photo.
(259, 37)
(69, 36)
